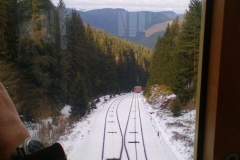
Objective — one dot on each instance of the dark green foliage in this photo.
(176, 109)
(162, 68)
(149, 41)
(131, 60)
(189, 50)
(79, 99)
(41, 77)
(8, 24)
(175, 59)
(93, 105)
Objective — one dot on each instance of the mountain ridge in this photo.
(130, 25)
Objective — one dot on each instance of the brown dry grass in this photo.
(156, 28)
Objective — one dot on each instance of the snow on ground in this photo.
(171, 138)
(66, 111)
(72, 141)
(178, 132)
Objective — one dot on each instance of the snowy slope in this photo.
(85, 140)
(178, 132)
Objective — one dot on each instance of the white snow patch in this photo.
(178, 132)
(66, 111)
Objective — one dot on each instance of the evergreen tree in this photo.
(163, 65)
(176, 109)
(8, 25)
(79, 97)
(44, 77)
(61, 4)
(175, 58)
(189, 51)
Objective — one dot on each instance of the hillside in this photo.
(178, 131)
(72, 65)
(150, 41)
(125, 24)
(152, 34)
(142, 27)
(156, 28)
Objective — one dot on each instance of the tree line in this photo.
(175, 58)
(42, 76)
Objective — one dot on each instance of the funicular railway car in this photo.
(137, 89)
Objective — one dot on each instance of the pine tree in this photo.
(176, 109)
(189, 50)
(163, 65)
(61, 4)
(8, 25)
(79, 97)
(44, 77)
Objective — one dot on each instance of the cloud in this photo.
(130, 5)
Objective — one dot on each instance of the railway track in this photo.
(123, 133)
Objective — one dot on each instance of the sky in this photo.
(178, 6)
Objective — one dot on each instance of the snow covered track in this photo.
(110, 120)
(125, 138)
(140, 119)
(133, 137)
(122, 129)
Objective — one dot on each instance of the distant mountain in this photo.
(156, 28)
(134, 26)
(150, 41)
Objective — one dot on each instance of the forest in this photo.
(49, 59)
(175, 60)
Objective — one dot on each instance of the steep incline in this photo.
(119, 128)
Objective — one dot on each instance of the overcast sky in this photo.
(178, 6)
